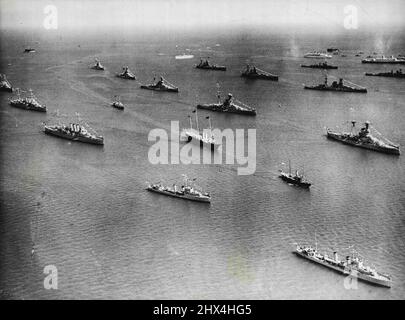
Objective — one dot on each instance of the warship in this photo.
(317, 55)
(74, 132)
(126, 74)
(27, 103)
(4, 84)
(336, 86)
(187, 191)
(384, 59)
(118, 104)
(364, 139)
(296, 179)
(229, 105)
(161, 85)
(321, 65)
(98, 66)
(28, 50)
(256, 73)
(203, 138)
(332, 50)
(353, 265)
(207, 66)
(390, 74)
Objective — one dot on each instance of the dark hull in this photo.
(388, 75)
(318, 67)
(178, 195)
(384, 62)
(295, 182)
(218, 108)
(160, 89)
(336, 89)
(218, 68)
(76, 138)
(25, 107)
(6, 89)
(126, 77)
(118, 107)
(98, 68)
(260, 76)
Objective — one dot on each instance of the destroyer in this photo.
(336, 86)
(321, 65)
(256, 73)
(229, 105)
(27, 103)
(353, 265)
(187, 191)
(317, 55)
(391, 74)
(4, 84)
(98, 66)
(161, 85)
(296, 179)
(383, 59)
(126, 74)
(207, 66)
(364, 139)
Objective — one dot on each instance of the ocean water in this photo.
(84, 208)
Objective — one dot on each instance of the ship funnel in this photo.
(335, 256)
(367, 124)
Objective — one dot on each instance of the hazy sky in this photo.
(201, 13)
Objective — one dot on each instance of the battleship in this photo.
(229, 105)
(27, 103)
(161, 85)
(118, 104)
(317, 55)
(98, 66)
(337, 87)
(321, 65)
(4, 84)
(296, 179)
(390, 74)
(126, 74)
(256, 73)
(384, 59)
(207, 66)
(203, 139)
(187, 191)
(364, 139)
(353, 265)
(74, 132)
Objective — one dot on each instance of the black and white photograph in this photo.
(202, 150)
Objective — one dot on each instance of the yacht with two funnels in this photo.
(352, 265)
(384, 59)
(229, 105)
(27, 103)
(295, 179)
(337, 87)
(187, 191)
(317, 55)
(364, 139)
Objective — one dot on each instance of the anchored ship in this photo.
(126, 74)
(74, 132)
(321, 65)
(317, 55)
(4, 84)
(353, 265)
(384, 59)
(332, 50)
(98, 66)
(207, 66)
(296, 179)
(256, 73)
(390, 74)
(28, 50)
(187, 191)
(27, 103)
(364, 139)
(118, 104)
(161, 85)
(337, 86)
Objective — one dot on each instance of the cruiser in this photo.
(118, 104)
(98, 66)
(352, 265)
(4, 84)
(161, 85)
(321, 65)
(126, 74)
(336, 86)
(296, 179)
(383, 59)
(207, 66)
(187, 191)
(391, 74)
(256, 73)
(27, 103)
(229, 105)
(317, 55)
(364, 139)
(74, 132)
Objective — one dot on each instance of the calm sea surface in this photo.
(84, 208)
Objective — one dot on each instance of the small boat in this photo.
(126, 74)
(98, 66)
(118, 104)
(229, 105)
(321, 65)
(256, 73)
(295, 179)
(207, 66)
(161, 85)
(390, 74)
(317, 55)
(336, 87)
(5, 84)
(27, 103)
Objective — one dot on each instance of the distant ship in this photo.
(352, 265)
(296, 179)
(336, 86)
(332, 50)
(184, 56)
(4, 84)
(383, 59)
(321, 65)
(256, 73)
(74, 132)
(98, 66)
(126, 74)
(317, 55)
(229, 105)
(187, 191)
(161, 85)
(27, 103)
(207, 66)
(118, 104)
(364, 139)
(390, 74)
(28, 50)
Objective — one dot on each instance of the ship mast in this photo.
(209, 121)
(191, 122)
(289, 166)
(196, 120)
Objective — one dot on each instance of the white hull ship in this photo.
(384, 59)
(317, 55)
